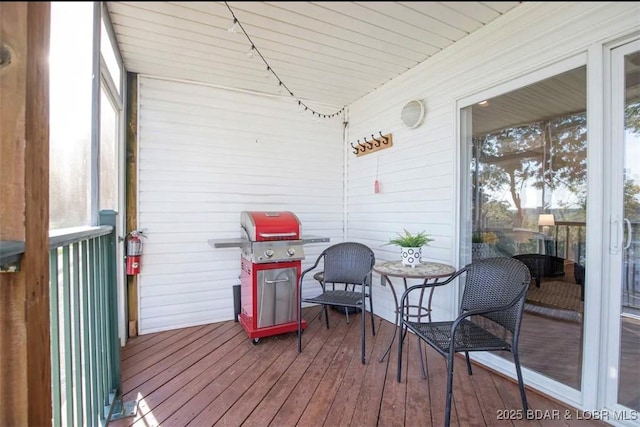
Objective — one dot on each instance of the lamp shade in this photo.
(546, 219)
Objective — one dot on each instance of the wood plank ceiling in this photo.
(327, 54)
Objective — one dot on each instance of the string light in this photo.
(234, 28)
(251, 51)
(282, 88)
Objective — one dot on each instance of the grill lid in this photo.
(261, 226)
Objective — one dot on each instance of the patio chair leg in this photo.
(424, 371)
(447, 411)
(466, 355)
(362, 332)
(346, 309)
(373, 323)
(400, 339)
(523, 396)
(326, 316)
(300, 328)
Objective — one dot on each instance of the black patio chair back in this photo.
(348, 263)
(535, 263)
(495, 289)
(496, 283)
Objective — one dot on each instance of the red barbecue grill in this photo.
(272, 250)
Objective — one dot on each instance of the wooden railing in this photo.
(573, 235)
(567, 241)
(85, 350)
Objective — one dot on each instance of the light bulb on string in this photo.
(234, 28)
(282, 88)
(256, 56)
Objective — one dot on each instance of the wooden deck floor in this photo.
(213, 375)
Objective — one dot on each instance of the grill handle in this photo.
(271, 282)
(276, 235)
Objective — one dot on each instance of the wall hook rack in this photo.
(373, 145)
(377, 144)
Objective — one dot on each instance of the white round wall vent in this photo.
(412, 113)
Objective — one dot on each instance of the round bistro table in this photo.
(430, 273)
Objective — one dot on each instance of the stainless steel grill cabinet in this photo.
(270, 264)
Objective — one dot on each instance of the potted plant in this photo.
(483, 245)
(477, 238)
(410, 246)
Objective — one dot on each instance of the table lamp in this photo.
(545, 221)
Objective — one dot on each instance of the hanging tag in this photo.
(376, 187)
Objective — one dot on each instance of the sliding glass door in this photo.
(527, 191)
(525, 195)
(623, 361)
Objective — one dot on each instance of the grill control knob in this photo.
(268, 253)
(291, 252)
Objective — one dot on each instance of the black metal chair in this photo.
(495, 289)
(319, 276)
(348, 263)
(536, 265)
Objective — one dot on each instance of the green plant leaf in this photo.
(409, 240)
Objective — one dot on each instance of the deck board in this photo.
(295, 387)
(416, 412)
(166, 392)
(437, 373)
(210, 403)
(252, 397)
(344, 402)
(392, 405)
(488, 396)
(468, 407)
(370, 395)
(137, 344)
(215, 375)
(334, 373)
(177, 354)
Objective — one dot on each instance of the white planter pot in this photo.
(411, 256)
(482, 251)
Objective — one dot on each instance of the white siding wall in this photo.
(419, 175)
(205, 155)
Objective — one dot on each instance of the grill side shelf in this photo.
(314, 239)
(237, 243)
(225, 243)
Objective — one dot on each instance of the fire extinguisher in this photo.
(134, 252)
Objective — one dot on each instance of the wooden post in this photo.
(132, 193)
(25, 360)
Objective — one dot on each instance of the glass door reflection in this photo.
(629, 311)
(528, 195)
